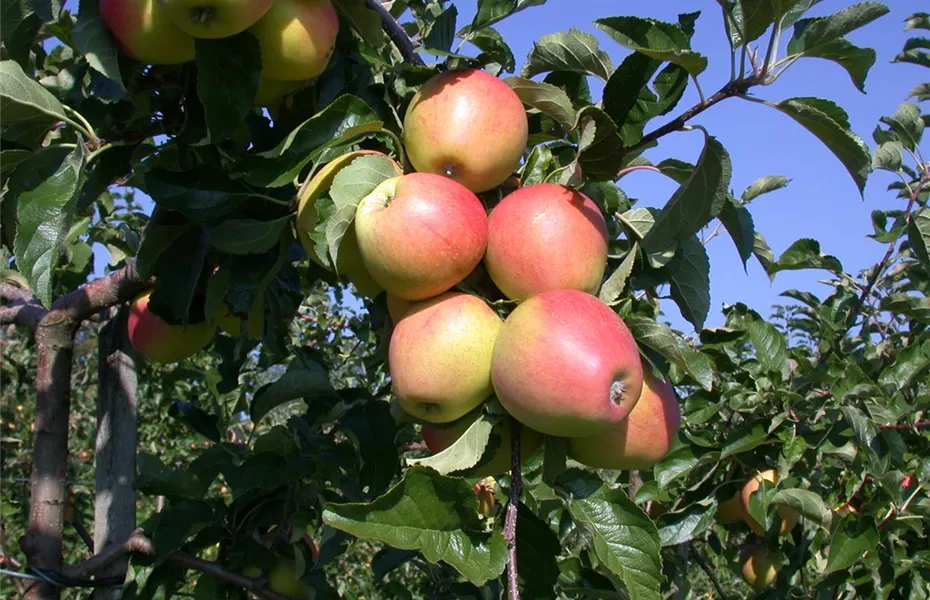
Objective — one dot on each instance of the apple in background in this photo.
(157, 340)
(789, 516)
(440, 357)
(297, 38)
(420, 234)
(546, 237)
(271, 91)
(565, 364)
(439, 438)
(468, 125)
(731, 511)
(758, 566)
(215, 18)
(639, 441)
(232, 324)
(144, 31)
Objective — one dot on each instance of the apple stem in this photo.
(202, 14)
(510, 521)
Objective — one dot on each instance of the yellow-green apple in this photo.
(789, 516)
(468, 125)
(157, 340)
(349, 261)
(758, 566)
(271, 91)
(215, 18)
(639, 441)
(232, 324)
(143, 31)
(297, 38)
(420, 234)
(439, 438)
(282, 578)
(546, 237)
(565, 364)
(731, 511)
(440, 357)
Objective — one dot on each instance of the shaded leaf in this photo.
(27, 104)
(305, 378)
(93, 40)
(852, 539)
(813, 32)
(807, 503)
(663, 340)
(690, 281)
(545, 98)
(738, 223)
(227, 79)
(364, 21)
(248, 236)
(805, 254)
(616, 283)
(680, 527)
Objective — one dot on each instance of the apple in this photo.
(468, 125)
(731, 511)
(349, 260)
(565, 364)
(789, 516)
(297, 37)
(144, 31)
(271, 91)
(215, 18)
(546, 237)
(420, 234)
(439, 438)
(639, 441)
(232, 324)
(758, 566)
(440, 357)
(282, 578)
(397, 307)
(157, 340)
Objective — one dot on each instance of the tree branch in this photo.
(710, 574)
(510, 521)
(92, 297)
(22, 307)
(396, 32)
(917, 425)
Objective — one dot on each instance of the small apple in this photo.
(159, 341)
(565, 364)
(439, 438)
(282, 578)
(420, 234)
(468, 125)
(215, 18)
(271, 91)
(144, 31)
(440, 357)
(296, 37)
(232, 324)
(639, 441)
(758, 566)
(789, 516)
(546, 237)
(731, 511)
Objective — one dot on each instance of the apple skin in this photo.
(397, 307)
(639, 441)
(282, 579)
(566, 365)
(546, 237)
(758, 566)
(420, 234)
(731, 511)
(159, 341)
(215, 19)
(438, 439)
(232, 324)
(297, 38)
(272, 91)
(440, 357)
(789, 516)
(144, 31)
(468, 125)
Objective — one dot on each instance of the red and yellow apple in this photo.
(546, 237)
(758, 566)
(155, 339)
(439, 438)
(789, 516)
(565, 364)
(420, 234)
(639, 441)
(468, 125)
(144, 31)
(215, 18)
(297, 37)
(440, 357)
(731, 511)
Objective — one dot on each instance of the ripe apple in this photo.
(732, 510)
(215, 18)
(468, 125)
(789, 516)
(439, 438)
(159, 341)
(639, 441)
(546, 237)
(440, 357)
(565, 364)
(144, 31)
(271, 91)
(758, 566)
(232, 324)
(297, 38)
(420, 234)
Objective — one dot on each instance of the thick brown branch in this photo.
(22, 307)
(510, 520)
(116, 288)
(396, 32)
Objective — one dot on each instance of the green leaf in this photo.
(603, 154)
(921, 91)
(680, 527)
(829, 123)
(656, 39)
(918, 20)
(627, 98)
(914, 57)
(46, 186)
(663, 340)
(574, 51)
(492, 11)
(678, 463)
(248, 236)
(202, 193)
(888, 156)
(805, 254)
(771, 347)
(857, 61)
(764, 185)
(373, 430)
(545, 98)
(853, 538)
(908, 367)
(762, 252)
(914, 307)
(493, 47)
(363, 21)
(907, 125)
(613, 288)
(26, 103)
(227, 78)
(305, 378)
(430, 513)
(537, 550)
(463, 454)
(157, 479)
(625, 540)
(358, 179)
(690, 281)
(93, 40)
(810, 33)
(738, 223)
(755, 18)
(807, 503)
(866, 435)
(441, 31)
(744, 439)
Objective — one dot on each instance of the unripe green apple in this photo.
(440, 357)
(731, 511)
(232, 324)
(271, 91)
(297, 37)
(420, 234)
(282, 578)
(565, 364)
(144, 31)
(468, 125)
(215, 18)
(789, 516)
(157, 340)
(639, 441)
(546, 237)
(758, 566)
(439, 438)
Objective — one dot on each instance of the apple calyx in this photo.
(202, 15)
(382, 195)
(617, 391)
(449, 171)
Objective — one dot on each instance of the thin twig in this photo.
(396, 32)
(510, 521)
(917, 425)
(710, 574)
(82, 532)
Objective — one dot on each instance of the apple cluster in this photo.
(295, 37)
